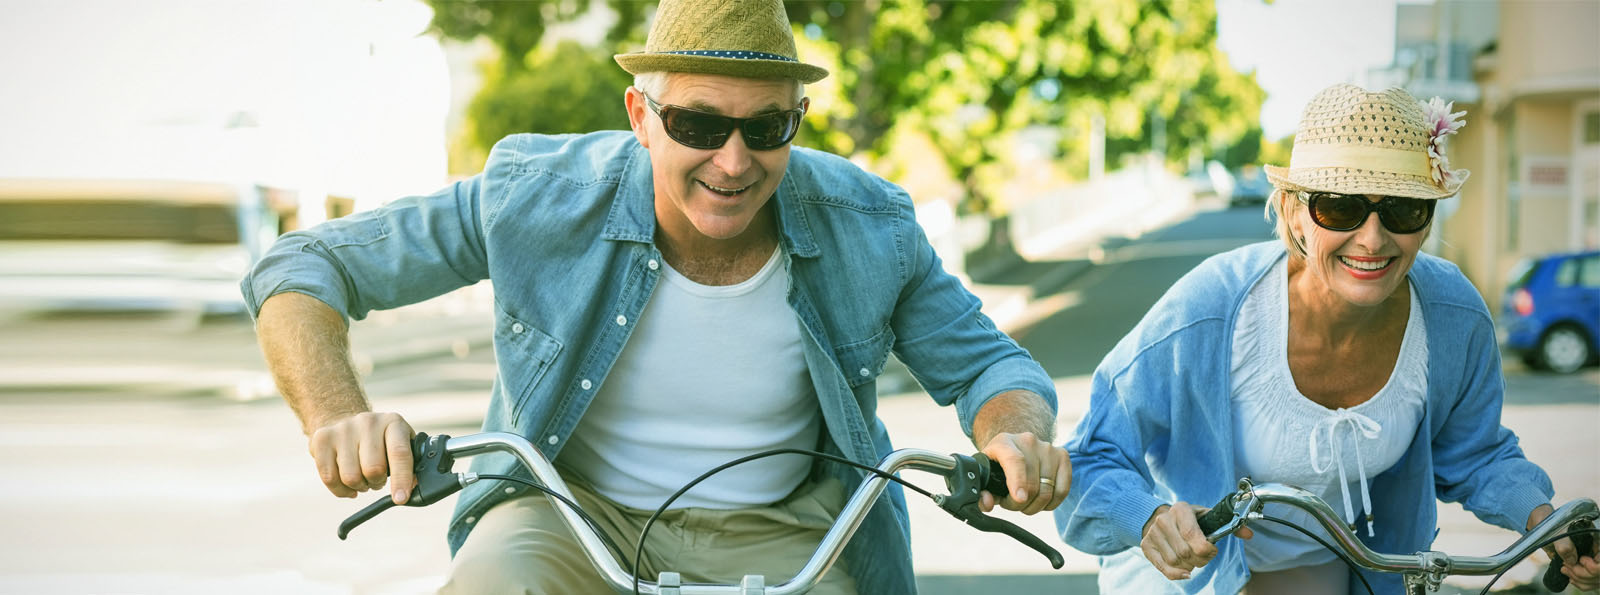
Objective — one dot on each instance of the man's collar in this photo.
(633, 215)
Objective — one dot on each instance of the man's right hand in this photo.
(1174, 543)
(358, 452)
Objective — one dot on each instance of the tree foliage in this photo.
(565, 88)
(969, 75)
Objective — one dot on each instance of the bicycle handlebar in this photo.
(1246, 504)
(965, 476)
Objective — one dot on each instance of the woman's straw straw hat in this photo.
(744, 38)
(1354, 141)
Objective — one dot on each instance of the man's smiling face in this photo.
(712, 194)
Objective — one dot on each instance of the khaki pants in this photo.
(522, 545)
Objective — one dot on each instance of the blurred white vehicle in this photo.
(118, 245)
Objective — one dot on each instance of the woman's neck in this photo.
(1317, 313)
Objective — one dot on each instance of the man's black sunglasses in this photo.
(1345, 212)
(705, 130)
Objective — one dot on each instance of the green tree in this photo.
(565, 88)
(970, 76)
(516, 28)
(1277, 152)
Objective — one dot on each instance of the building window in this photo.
(1591, 128)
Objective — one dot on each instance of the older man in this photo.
(666, 301)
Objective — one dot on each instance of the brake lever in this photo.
(435, 481)
(972, 475)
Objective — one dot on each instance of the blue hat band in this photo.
(739, 54)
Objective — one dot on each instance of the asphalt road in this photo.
(113, 483)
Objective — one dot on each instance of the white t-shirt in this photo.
(710, 374)
(1280, 436)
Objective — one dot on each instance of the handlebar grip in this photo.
(1553, 579)
(370, 511)
(1218, 516)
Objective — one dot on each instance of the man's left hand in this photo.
(1038, 473)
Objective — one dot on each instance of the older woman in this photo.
(1340, 359)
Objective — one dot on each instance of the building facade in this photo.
(1528, 76)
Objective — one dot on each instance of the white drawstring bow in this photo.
(1358, 424)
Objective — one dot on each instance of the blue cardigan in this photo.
(1159, 429)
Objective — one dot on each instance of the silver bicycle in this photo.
(1423, 571)
(964, 475)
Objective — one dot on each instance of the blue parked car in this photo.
(1551, 313)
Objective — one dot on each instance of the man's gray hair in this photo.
(654, 84)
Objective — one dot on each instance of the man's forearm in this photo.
(1014, 412)
(307, 348)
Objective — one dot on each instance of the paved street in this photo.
(118, 482)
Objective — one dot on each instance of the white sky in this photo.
(333, 95)
(1299, 47)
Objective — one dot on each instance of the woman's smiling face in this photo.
(1364, 266)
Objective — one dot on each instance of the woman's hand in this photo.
(1174, 543)
(1583, 568)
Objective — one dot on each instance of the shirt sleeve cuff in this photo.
(1130, 513)
(1521, 505)
(1016, 373)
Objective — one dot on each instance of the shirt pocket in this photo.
(862, 361)
(525, 354)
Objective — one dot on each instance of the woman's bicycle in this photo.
(1423, 571)
(434, 458)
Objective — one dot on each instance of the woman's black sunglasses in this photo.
(1345, 212)
(705, 130)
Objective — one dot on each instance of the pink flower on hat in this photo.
(1442, 123)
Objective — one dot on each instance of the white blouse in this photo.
(1283, 437)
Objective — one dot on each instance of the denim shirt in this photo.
(1158, 429)
(565, 227)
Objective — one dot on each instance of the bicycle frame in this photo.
(1422, 569)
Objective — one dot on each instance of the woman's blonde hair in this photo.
(1278, 215)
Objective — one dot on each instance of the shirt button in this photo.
(471, 519)
(864, 373)
(516, 328)
(553, 439)
(653, 264)
(511, 490)
(586, 384)
(622, 320)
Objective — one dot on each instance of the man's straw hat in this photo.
(1354, 141)
(744, 38)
